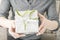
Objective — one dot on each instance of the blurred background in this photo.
(48, 35)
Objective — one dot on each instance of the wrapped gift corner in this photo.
(26, 21)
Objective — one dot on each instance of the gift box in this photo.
(26, 21)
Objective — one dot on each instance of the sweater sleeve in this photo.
(4, 8)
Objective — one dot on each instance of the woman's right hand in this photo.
(12, 31)
(10, 24)
(14, 34)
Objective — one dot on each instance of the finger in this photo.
(40, 15)
(15, 35)
(41, 31)
(41, 26)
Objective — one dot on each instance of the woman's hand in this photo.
(5, 23)
(10, 24)
(14, 34)
(12, 31)
(44, 22)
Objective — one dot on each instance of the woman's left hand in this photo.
(44, 22)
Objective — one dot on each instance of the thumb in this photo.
(40, 15)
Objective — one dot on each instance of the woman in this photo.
(48, 6)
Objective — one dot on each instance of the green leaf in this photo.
(18, 13)
(31, 14)
(34, 18)
(26, 12)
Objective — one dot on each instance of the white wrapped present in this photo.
(26, 21)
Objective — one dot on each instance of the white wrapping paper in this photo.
(26, 21)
